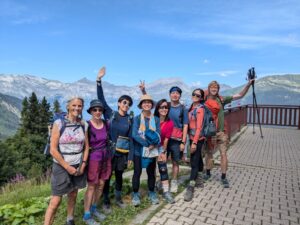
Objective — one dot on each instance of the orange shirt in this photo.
(196, 124)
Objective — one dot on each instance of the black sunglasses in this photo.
(196, 95)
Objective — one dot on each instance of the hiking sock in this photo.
(192, 183)
(208, 173)
(87, 215)
(223, 176)
(165, 187)
(93, 208)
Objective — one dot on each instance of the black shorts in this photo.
(119, 162)
(173, 148)
(63, 183)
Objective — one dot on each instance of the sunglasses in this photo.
(196, 95)
(97, 110)
(163, 107)
(124, 102)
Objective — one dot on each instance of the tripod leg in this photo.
(258, 116)
(253, 108)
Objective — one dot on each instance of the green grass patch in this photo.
(15, 193)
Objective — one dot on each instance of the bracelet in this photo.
(84, 162)
(194, 143)
(183, 143)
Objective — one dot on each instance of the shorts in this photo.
(173, 148)
(63, 183)
(119, 162)
(98, 170)
(222, 143)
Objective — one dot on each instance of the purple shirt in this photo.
(98, 138)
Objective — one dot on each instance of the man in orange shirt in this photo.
(216, 104)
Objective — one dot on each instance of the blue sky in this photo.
(196, 40)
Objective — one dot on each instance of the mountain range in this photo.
(276, 89)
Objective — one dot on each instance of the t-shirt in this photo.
(225, 100)
(166, 128)
(71, 141)
(175, 115)
(97, 141)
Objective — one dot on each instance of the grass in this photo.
(14, 193)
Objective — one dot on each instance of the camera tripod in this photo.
(252, 76)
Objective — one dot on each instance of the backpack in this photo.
(61, 116)
(208, 127)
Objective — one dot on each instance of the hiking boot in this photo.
(136, 199)
(225, 183)
(168, 197)
(91, 221)
(70, 222)
(106, 208)
(206, 177)
(100, 216)
(174, 186)
(153, 197)
(199, 181)
(189, 193)
(119, 201)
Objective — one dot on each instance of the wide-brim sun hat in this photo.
(144, 98)
(95, 103)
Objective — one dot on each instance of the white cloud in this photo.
(206, 61)
(252, 25)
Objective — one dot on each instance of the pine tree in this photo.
(24, 126)
(33, 114)
(56, 106)
(44, 116)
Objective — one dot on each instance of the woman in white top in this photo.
(69, 148)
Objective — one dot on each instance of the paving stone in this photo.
(264, 185)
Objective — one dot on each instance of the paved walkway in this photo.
(264, 175)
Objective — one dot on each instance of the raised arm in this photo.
(244, 91)
(107, 110)
(142, 87)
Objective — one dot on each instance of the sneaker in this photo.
(70, 222)
(106, 208)
(136, 199)
(225, 183)
(199, 181)
(189, 193)
(206, 177)
(121, 204)
(174, 186)
(100, 216)
(153, 197)
(91, 221)
(168, 197)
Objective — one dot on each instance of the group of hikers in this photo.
(111, 141)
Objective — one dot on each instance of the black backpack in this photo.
(209, 127)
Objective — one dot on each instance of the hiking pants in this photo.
(196, 161)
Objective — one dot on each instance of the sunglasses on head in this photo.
(124, 102)
(97, 110)
(164, 107)
(196, 95)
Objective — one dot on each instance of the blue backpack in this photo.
(60, 116)
(208, 126)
